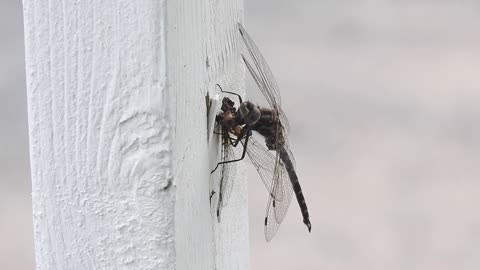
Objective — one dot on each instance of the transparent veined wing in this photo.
(275, 178)
(265, 163)
(263, 77)
(277, 209)
(227, 173)
(270, 89)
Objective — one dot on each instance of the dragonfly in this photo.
(274, 160)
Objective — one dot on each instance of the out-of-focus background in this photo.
(16, 232)
(383, 101)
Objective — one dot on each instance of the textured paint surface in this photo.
(204, 46)
(100, 135)
(119, 137)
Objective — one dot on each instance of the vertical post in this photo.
(118, 134)
(204, 49)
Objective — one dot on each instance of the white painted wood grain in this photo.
(208, 56)
(117, 119)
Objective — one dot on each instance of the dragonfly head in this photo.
(226, 118)
(249, 112)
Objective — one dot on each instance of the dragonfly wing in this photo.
(227, 175)
(262, 160)
(271, 224)
(283, 190)
(270, 91)
(279, 200)
(263, 77)
(286, 146)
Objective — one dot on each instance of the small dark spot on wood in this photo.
(211, 195)
(169, 184)
(207, 62)
(208, 103)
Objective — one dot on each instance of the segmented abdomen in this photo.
(287, 162)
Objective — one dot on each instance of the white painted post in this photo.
(118, 133)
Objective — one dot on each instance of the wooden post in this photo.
(118, 133)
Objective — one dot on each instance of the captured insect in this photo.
(274, 161)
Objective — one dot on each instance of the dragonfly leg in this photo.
(232, 93)
(245, 133)
(235, 160)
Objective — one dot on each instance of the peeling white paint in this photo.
(118, 134)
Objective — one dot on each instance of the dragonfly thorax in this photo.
(249, 113)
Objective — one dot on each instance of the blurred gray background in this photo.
(383, 102)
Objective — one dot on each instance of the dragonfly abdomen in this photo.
(287, 162)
